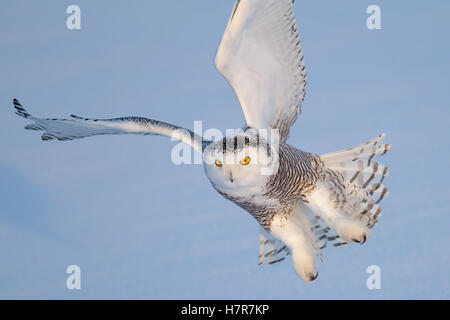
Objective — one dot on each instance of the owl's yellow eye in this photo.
(245, 161)
(218, 163)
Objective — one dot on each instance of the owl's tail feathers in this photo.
(355, 187)
(362, 174)
(368, 149)
(271, 250)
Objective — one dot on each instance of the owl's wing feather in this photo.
(261, 57)
(78, 127)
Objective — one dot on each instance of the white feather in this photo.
(261, 57)
(78, 127)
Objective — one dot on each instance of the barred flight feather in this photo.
(362, 178)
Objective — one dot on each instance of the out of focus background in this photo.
(141, 227)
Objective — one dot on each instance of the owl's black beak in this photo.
(231, 177)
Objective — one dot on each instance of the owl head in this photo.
(242, 161)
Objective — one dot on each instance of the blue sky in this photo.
(140, 226)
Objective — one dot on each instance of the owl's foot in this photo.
(314, 276)
(304, 264)
(351, 230)
(361, 241)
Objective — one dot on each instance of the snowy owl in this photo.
(302, 201)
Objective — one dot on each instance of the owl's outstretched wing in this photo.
(77, 127)
(261, 57)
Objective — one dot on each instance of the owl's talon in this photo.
(364, 240)
(314, 276)
(360, 242)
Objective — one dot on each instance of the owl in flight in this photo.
(302, 201)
